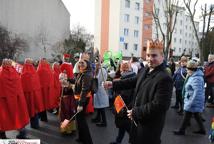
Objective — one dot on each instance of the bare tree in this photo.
(42, 39)
(191, 7)
(167, 26)
(11, 45)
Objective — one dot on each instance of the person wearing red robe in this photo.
(32, 91)
(67, 66)
(13, 108)
(57, 85)
(47, 86)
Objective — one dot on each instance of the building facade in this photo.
(118, 26)
(42, 23)
(183, 39)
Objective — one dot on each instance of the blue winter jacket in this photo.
(193, 92)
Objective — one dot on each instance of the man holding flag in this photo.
(152, 97)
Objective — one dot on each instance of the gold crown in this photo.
(155, 44)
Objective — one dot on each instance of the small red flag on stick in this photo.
(119, 103)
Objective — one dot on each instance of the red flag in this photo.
(119, 103)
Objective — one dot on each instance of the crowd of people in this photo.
(145, 89)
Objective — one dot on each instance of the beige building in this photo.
(118, 26)
(42, 23)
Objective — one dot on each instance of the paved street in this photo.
(49, 133)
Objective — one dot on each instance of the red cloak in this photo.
(69, 69)
(13, 107)
(57, 85)
(32, 89)
(47, 84)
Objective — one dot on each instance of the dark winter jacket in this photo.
(179, 78)
(152, 94)
(209, 73)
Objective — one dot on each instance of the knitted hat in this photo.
(192, 64)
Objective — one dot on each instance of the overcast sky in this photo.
(82, 12)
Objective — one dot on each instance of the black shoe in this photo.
(78, 140)
(178, 132)
(101, 124)
(175, 107)
(188, 124)
(3, 135)
(114, 143)
(180, 112)
(203, 119)
(44, 120)
(21, 137)
(203, 132)
(95, 120)
(34, 127)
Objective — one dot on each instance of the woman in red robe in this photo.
(32, 91)
(13, 108)
(47, 86)
(57, 85)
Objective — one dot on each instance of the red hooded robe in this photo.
(13, 107)
(32, 89)
(57, 85)
(69, 69)
(47, 84)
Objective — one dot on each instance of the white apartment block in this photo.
(43, 23)
(184, 40)
(118, 26)
(183, 36)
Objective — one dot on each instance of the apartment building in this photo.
(118, 26)
(183, 40)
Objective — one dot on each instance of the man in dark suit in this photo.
(152, 97)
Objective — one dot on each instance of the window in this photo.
(146, 27)
(180, 31)
(186, 26)
(127, 3)
(157, 10)
(175, 30)
(136, 33)
(126, 32)
(180, 40)
(185, 41)
(147, 14)
(175, 40)
(185, 34)
(148, 1)
(135, 46)
(145, 41)
(136, 19)
(126, 46)
(126, 17)
(181, 22)
(179, 49)
(137, 6)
